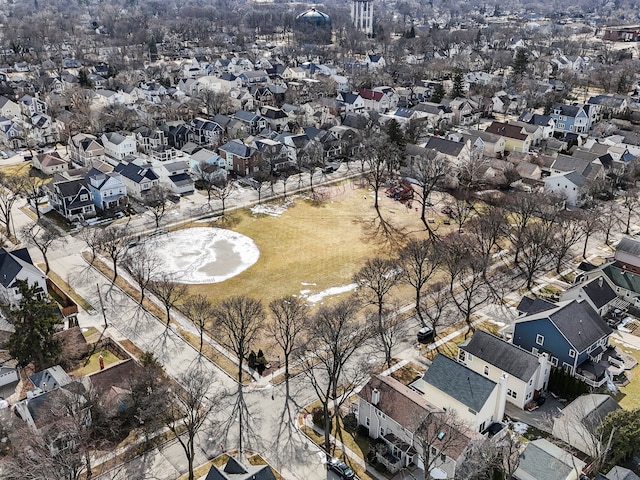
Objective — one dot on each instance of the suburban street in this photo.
(272, 427)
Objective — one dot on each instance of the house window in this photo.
(554, 361)
(382, 431)
(84, 197)
(433, 450)
(539, 339)
(443, 457)
(531, 382)
(486, 370)
(514, 394)
(572, 353)
(367, 422)
(566, 367)
(534, 350)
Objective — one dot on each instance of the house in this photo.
(571, 186)
(546, 122)
(455, 152)
(350, 103)
(375, 100)
(527, 374)
(151, 140)
(572, 333)
(276, 118)
(374, 62)
(118, 146)
(253, 123)
(239, 158)
(175, 177)
(294, 73)
(240, 469)
(139, 179)
(628, 254)
(542, 460)
(618, 473)
(579, 421)
(451, 385)
(393, 412)
(49, 163)
(32, 105)
(515, 136)
(70, 197)
(205, 132)
(84, 149)
(609, 105)
(574, 118)
(492, 145)
(596, 292)
(8, 108)
(253, 77)
(108, 191)
(464, 112)
(17, 265)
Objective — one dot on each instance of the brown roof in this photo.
(507, 130)
(409, 409)
(116, 375)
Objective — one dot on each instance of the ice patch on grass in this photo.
(272, 210)
(520, 428)
(203, 254)
(317, 297)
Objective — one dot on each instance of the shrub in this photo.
(350, 423)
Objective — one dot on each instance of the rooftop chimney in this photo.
(375, 396)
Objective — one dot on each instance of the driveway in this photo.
(540, 418)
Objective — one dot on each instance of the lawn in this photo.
(629, 395)
(312, 246)
(92, 364)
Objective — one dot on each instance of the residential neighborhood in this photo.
(341, 240)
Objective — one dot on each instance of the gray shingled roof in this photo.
(541, 460)
(501, 354)
(577, 321)
(235, 470)
(444, 146)
(629, 245)
(459, 382)
(599, 292)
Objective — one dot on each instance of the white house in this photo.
(596, 292)
(17, 265)
(394, 413)
(118, 146)
(527, 375)
(175, 176)
(139, 179)
(570, 186)
(450, 385)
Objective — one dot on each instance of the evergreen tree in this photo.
(84, 80)
(458, 86)
(35, 322)
(395, 134)
(520, 62)
(438, 93)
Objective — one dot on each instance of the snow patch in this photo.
(203, 255)
(317, 297)
(272, 210)
(520, 428)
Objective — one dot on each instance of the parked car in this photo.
(426, 335)
(3, 154)
(343, 470)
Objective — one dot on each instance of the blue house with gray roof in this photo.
(476, 399)
(575, 118)
(572, 333)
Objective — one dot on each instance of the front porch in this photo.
(395, 454)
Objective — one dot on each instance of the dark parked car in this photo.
(425, 335)
(343, 470)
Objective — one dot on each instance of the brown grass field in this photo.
(321, 243)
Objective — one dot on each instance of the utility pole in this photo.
(104, 314)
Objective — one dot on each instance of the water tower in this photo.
(362, 15)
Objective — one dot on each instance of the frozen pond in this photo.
(204, 254)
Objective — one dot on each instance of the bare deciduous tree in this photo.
(114, 241)
(334, 373)
(43, 239)
(156, 201)
(199, 309)
(141, 264)
(11, 187)
(168, 291)
(375, 281)
(289, 322)
(418, 261)
(429, 171)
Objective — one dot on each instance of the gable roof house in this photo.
(455, 152)
(139, 179)
(17, 265)
(350, 103)
(118, 146)
(517, 139)
(175, 176)
(70, 197)
(252, 122)
(570, 186)
(578, 423)
(8, 108)
(276, 118)
(574, 118)
(205, 132)
(476, 399)
(573, 335)
(527, 374)
(84, 149)
(542, 460)
(239, 158)
(609, 105)
(547, 123)
(49, 163)
(253, 77)
(596, 292)
(394, 413)
(375, 100)
(108, 191)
